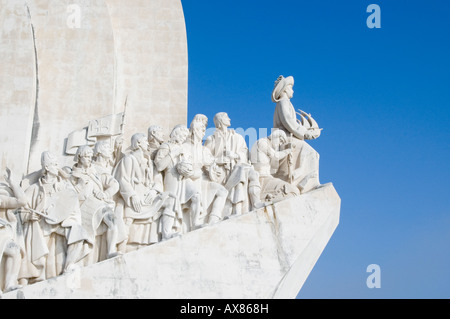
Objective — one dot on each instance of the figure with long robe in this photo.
(95, 193)
(178, 171)
(214, 195)
(11, 250)
(141, 203)
(55, 241)
(237, 174)
(301, 168)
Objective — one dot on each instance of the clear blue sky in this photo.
(383, 99)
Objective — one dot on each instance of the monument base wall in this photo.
(264, 254)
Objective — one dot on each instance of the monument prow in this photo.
(170, 213)
(267, 253)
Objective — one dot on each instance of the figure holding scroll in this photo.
(55, 240)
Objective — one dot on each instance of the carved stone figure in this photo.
(155, 139)
(95, 193)
(11, 197)
(228, 147)
(140, 204)
(104, 165)
(238, 176)
(116, 200)
(54, 237)
(103, 159)
(178, 172)
(265, 156)
(301, 168)
(201, 118)
(118, 151)
(214, 195)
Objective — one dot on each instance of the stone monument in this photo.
(74, 64)
(106, 193)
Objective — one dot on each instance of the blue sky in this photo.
(383, 99)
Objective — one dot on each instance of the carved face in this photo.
(181, 136)
(199, 132)
(104, 150)
(278, 138)
(289, 91)
(107, 151)
(52, 167)
(159, 136)
(143, 143)
(85, 160)
(226, 120)
(277, 141)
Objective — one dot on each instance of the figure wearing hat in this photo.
(301, 168)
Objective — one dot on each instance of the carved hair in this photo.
(280, 86)
(102, 148)
(136, 139)
(200, 118)
(193, 126)
(47, 158)
(83, 151)
(178, 130)
(280, 134)
(154, 128)
(277, 133)
(218, 118)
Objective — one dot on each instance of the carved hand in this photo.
(136, 203)
(100, 195)
(308, 136)
(34, 217)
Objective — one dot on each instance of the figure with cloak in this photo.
(55, 240)
(12, 197)
(301, 167)
(178, 171)
(214, 195)
(140, 203)
(233, 168)
(95, 194)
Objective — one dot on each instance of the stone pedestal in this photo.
(267, 253)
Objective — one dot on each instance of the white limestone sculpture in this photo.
(103, 157)
(267, 253)
(11, 197)
(178, 171)
(214, 195)
(301, 168)
(265, 156)
(127, 48)
(54, 237)
(231, 155)
(156, 137)
(140, 204)
(104, 162)
(95, 193)
(202, 118)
